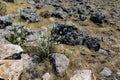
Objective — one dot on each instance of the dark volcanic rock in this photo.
(98, 17)
(68, 34)
(92, 43)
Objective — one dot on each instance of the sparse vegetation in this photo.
(18, 34)
(46, 46)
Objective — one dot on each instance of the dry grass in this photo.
(77, 60)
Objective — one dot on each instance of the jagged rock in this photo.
(83, 75)
(7, 50)
(106, 72)
(92, 43)
(46, 76)
(12, 69)
(60, 63)
(29, 14)
(5, 21)
(68, 34)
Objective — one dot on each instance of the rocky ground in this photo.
(59, 39)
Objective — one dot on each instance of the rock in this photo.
(33, 1)
(109, 40)
(83, 75)
(106, 72)
(92, 43)
(46, 76)
(68, 34)
(59, 14)
(83, 17)
(60, 63)
(114, 14)
(12, 69)
(68, 10)
(29, 14)
(45, 14)
(98, 17)
(83, 11)
(118, 73)
(90, 8)
(3, 33)
(10, 0)
(5, 21)
(7, 50)
(106, 52)
(38, 5)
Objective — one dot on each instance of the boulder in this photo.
(7, 50)
(83, 75)
(60, 63)
(68, 34)
(12, 69)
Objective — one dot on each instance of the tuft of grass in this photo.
(46, 45)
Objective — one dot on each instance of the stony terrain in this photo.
(59, 39)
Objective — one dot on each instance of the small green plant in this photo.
(18, 34)
(46, 46)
